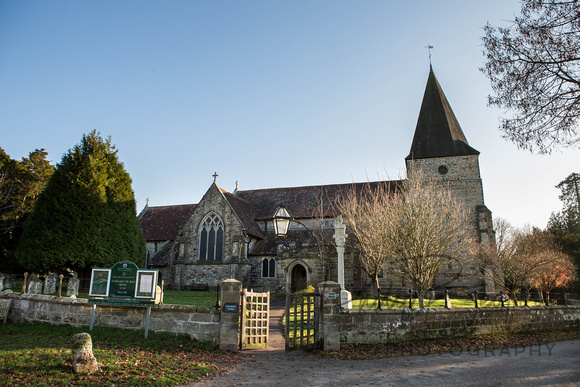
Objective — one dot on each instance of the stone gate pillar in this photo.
(329, 318)
(230, 315)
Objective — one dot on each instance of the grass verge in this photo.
(40, 354)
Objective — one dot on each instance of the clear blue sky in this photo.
(269, 93)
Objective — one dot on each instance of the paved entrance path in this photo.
(554, 364)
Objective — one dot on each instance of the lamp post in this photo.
(281, 222)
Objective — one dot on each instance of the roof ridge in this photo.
(319, 185)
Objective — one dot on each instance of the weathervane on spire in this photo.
(429, 47)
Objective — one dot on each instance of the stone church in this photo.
(231, 235)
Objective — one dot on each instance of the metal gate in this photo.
(254, 319)
(302, 321)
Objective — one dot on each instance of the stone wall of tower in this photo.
(461, 175)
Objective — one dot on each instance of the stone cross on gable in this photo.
(215, 175)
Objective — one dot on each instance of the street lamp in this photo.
(281, 221)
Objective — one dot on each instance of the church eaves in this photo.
(438, 133)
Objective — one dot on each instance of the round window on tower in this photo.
(443, 170)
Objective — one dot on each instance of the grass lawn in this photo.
(403, 303)
(184, 297)
(40, 354)
(173, 297)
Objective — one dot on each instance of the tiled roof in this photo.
(244, 211)
(161, 258)
(164, 222)
(438, 133)
(298, 240)
(270, 244)
(302, 202)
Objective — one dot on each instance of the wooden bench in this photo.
(4, 308)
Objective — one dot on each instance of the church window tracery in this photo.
(211, 238)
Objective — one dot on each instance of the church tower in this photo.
(440, 149)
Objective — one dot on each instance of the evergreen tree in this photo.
(565, 225)
(86, 216)
(20, 184)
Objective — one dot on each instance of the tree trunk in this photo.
(421, 296)
(375, 280)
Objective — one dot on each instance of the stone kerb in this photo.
(230, 315)
(329, 316)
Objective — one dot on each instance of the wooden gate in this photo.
(254, 319)
(302, 321)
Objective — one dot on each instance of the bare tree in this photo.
(523, 258)
(366, 212)
(533, 66)
(416, 223)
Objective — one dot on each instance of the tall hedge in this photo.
(86, 216)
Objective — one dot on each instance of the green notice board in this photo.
(123, 280)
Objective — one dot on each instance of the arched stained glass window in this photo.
(211, 238)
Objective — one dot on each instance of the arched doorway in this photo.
(298, 278)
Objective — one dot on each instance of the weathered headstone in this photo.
(1, 282)
(447, 300)
(82, 351)
(158, 295)
(9, 278)
(50, 283)
(73, 285)
(35, 285)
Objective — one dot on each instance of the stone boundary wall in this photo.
(200, 323)
(341, 327)
(382, 326)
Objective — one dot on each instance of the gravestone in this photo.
(158, 295)
(447, 300)
(35, 285)
(73, 285)
(1, 282)
(50, 283)
(82, 350)
(9, 278)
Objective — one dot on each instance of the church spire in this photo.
(438, 133)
